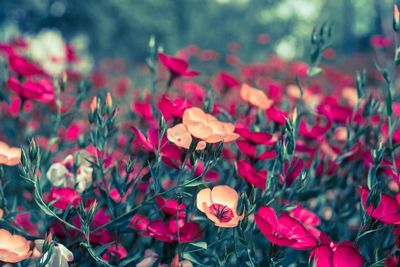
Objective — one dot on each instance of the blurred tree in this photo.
(122, 27)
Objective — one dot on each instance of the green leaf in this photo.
(194, 184)
(314, 71)
(202, 245)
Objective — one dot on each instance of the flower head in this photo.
(255, 97)
(9, 156)
(208, 128)
(13, 248)
(177, 67)
(220, 204)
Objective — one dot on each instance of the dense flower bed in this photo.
(271, 163)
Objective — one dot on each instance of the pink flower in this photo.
(24, 67)
(344, 255)
(170, 154)
(41, 90)
(388, 210)
(115, 250)
(171, 206)
(284, 231)
(249, 173)
(139, 222)
(177, 67)
(173, 109)
(292, 170)
(63, 197)
(276, 115)
(168, 231)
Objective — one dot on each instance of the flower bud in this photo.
(93, 104)
(396, 18)
(109, 100)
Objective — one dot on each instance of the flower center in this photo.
(223, 213)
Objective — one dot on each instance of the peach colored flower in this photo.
(350, 95)
(9, 156)
(208, 128)
(255, 97)
(219, 205)
(1, 214)
(13, 248)
(180, 136)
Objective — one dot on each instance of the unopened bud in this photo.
(109, 100)
(93, 104)
(396, 18)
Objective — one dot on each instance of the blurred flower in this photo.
(60, 256)
(13, 248)
(62, 174)
(249, 173)
(9, 156)
(171, 206)
(255, 97)
(49, 49)
(388, 210)
(61, 198)
(177, 67)
(41, 89)
(219, 205)
(24, 67)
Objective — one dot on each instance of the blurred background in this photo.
(122, 28)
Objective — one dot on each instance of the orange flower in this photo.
(13, 248)
(255, 97)
(208, 128)
(9, 156)
(219, 205)
(1, 214)
(180, 136)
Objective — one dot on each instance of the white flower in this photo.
(60, 257)
(48, 48)
(60, 176)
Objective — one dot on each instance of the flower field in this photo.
(184, 162)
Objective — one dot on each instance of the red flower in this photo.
(249, 173)
(176, 66)
(344, 255)
(41, 89)
(284, 231)
(388, 210)
(63, 197)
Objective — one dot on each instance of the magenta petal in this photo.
(347, 256)
(322, 256)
